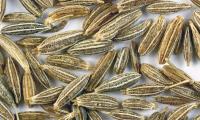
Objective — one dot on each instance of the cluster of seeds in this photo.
(26, 79)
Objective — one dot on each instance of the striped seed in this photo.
(13, 79)
(32, 7)
(46, 97)
(121, 60)
(138, 104)
(34, 115)
(135, 57)
(81, 113)
(30, 41)
(187, 47)
(94, 115)
(24, 28)
(166, 7)
(171, 100)
(2, 8)
(79, 2)
(37, 71)
(110, 30)
(153, 37)
(196, 2)
(179, 46)
(134, 31)
(196, 18)
(182, 111)
(28, 87)
(5, 113)
(69, 116)
(45, 3)
(59, 73)
(95, 101)
(9, 46)
(68, 62)
(71, 91)
(90, 46)
(57, 26)
(170, 39)
(118, 82)
(59, 42)
(195, 85)
(196, 38)
(159, 115)
(155, 74)
(100, 70)
(125, 114)
(19, 17)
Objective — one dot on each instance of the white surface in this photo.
(193, 70)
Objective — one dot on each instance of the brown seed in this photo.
(94, 115)
(2, 8)
(34, 115)
(196, 18)
(30, 41)
(170, 39)
(161, 115)
(135, 57)
(79, 2)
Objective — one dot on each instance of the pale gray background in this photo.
(193, 70)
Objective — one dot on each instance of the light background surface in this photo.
(193, 70)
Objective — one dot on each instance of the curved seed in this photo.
(121, 60)
(58, 73)
(118, 82)
(34, 115)
(30, 41)
(24, 28)
(2, 8)
(46, 97)
(138, 104)
(71, 91)
(5, 113)
(45, 3)
(135, 57)
(68, 62)
(79, 2)
(95, 101)
(100, 70)
(90, 46)
(13, 79)
(94, 115)
(170, 39)
(162, 115)
(19, 17)
(153, 36)
(133, 32)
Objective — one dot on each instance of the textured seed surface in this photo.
(196, 2)
(79, 2)
(166, 7)
(90, 46)
(118, 82)
(30, 41)
(24, 28)
(2, 8)
(135, 57)
(57, 26)
(68, 61)
(94, 115)
(153, 36)
(81, 113)
(34, 115)
(45, 3)
(138, 104)
(69, 116)
(19, 17)
(134, 31)
(161, 115)
(71, 91)
(196, 18)
(5, 113)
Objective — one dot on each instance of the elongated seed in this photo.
(59, 73)
(45, 3)
(138, 104)
(94, 115)
(13, 79)
(97, 102)
(196, 2)
(79, 2)
(30, 41)
(81, 113)
(170, 39)
(69, 116)
(37, 71)
(134, 31)
(47, 96)
(59, 42)
(56, 113)
(166, 7)
(71, 91)
(5, 113)
(118, 82)
(196, 18)
(162, 115)
(34, 115)
(68, 61)
(135, 57)
(195, 85)
(121, 60)
(56, 27)
(2, 8)
(153, 36)
(90, 46)
(19, 17)
(100, 70)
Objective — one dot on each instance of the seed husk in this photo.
(135, 57)
(30, 41)
(68, 62)
(19, 17)
(138, 104)
(196, 2)
(153, 36)
(24, 28)
(134, 31)
(32, 7)
(166, 7)
(59, 73)
(34, 115)
(2, 8)
(5, 113)
(161, 115)
(13, 79)
(196, 18)
(71, 91)
(59, 42)
(118, 82)
(94, 115)
(95, 101)
(90, 46)
(45, 3)
(81, 113)
(100, 70)
(47, 96)
(37, 71)
(79, 2)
